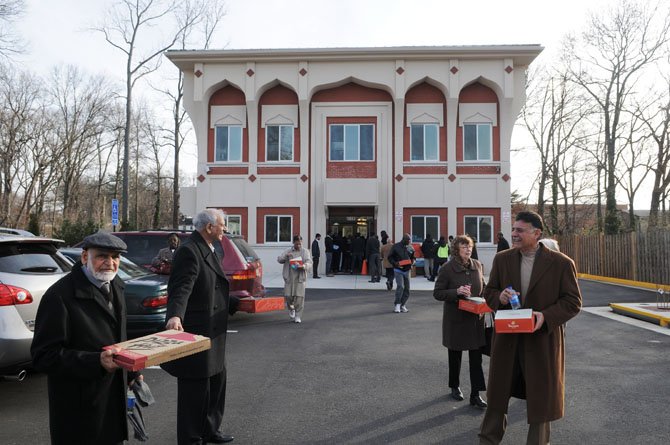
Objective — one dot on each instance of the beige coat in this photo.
(295, 280)
(385, 250)
(461, 330)
(553, 290)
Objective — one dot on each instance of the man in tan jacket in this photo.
(530, 366)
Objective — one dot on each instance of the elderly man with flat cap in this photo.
(79, 315)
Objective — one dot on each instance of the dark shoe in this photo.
(478, 402)
(220, 438)
(316, 277)
(372, 281)
(389, 286)
(456, 394)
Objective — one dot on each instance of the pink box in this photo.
(267, 304)
(520, 321)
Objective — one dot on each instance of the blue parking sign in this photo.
(115, 212)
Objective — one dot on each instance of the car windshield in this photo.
(129, 270)
(247, 251)
(31, 258)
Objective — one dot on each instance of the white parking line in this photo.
(606, 311)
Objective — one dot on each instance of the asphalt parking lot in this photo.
(355, 373)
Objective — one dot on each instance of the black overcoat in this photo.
(87, 404)
(198, 294)
(461, 330)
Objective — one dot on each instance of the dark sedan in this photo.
(145, 292)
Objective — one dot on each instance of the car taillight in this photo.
(154, 302)
(248, 274)
(11, 295)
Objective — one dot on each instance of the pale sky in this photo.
(59, 32)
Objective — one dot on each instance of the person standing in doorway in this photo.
(297, 263)
(388, 267)
(316, 254)
(329, 254)
(357, 253)
(372, 251)
(199, 303)
(402, 259)
(530, 366)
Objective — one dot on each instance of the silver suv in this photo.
(29, 265)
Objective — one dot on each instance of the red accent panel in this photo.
(478, 93)
(261, 212)
(279, 95)
(228, 170)
(358, 169)
(424, 93)
(226, 96)
(351, 92)
(463, 212)
(278, 170)
(475, 170)
(408, 212)
(425, 170)
(244, 213)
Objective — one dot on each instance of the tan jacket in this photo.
(385, 250)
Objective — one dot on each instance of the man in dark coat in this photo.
(316, 254)
(198, 302)
(329, 254)
(357, 253)
(401, 258)
(372, 252)
(530, 366)
(78, 316)
(502, 242)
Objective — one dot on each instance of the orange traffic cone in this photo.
(364, 268)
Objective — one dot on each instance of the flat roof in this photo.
(522, 55)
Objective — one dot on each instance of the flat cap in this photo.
(105, 241)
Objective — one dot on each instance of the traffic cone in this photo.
(364, 268)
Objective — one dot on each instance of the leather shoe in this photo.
(456, 394)
(478, 402)
(220, 438)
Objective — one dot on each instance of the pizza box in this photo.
(404, 262)
(161, 347)
(511, 321)
(267, 304)
(296, 262)
(476, 305)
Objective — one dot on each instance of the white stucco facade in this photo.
(394, 91)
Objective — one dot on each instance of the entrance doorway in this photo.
(347, 221)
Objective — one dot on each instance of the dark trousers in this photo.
(477, 382)
(337, 261)
(356, 262)
(389, 275)
(200, 405)
(329, 262)
(315, 266)
(373, 266)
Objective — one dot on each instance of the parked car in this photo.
(10, 231)
(145, 294)
(29, 265)
(241, 265)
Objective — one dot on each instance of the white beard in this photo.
(100, 276)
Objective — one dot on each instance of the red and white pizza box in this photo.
(476, 305)
(154, 349)
(518, 321)
(267, 304)
(296, 262)
(404, 262)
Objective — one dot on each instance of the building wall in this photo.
(389, 92)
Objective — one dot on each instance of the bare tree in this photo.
(607, 63)
(10, 12)
(123, 31)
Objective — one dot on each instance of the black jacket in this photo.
(329, 244)
(401, 252)
(316, 250)
(502, 244)
(372, 247)
(198, 294)
(87, 404)
(358, 245)
(429, 248)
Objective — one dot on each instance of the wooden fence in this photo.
(630, 256)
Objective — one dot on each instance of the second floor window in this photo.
(228, 147)
(477, 145)
(352, 142)
(424, 142)
(279, 143)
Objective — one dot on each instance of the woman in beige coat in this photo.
(460, 278)
(295, 277)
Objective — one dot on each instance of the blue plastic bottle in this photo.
(514, 300)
